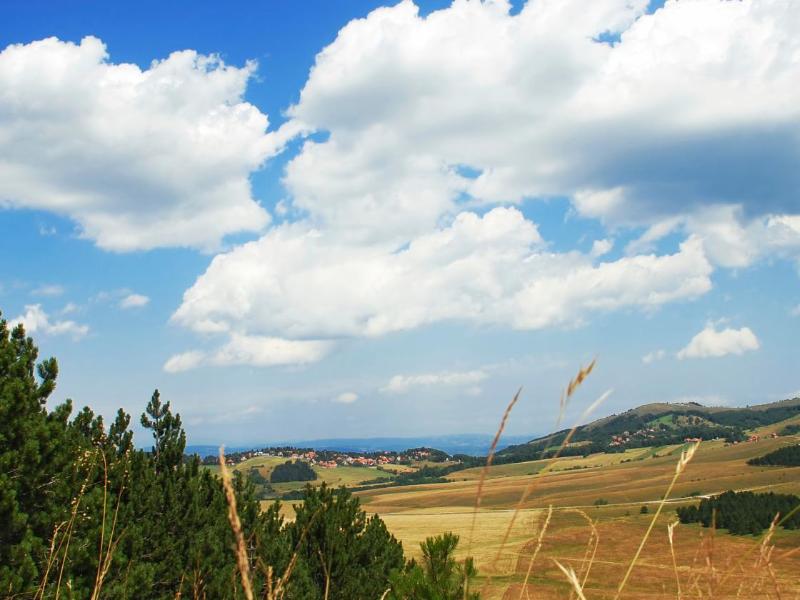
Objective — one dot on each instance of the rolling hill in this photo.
(657, 424)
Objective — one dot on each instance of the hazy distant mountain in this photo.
(474, 444)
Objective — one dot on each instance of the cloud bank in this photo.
(436, 127)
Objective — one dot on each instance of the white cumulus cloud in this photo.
(134, 301)
(36, 320)
(654, 356)
(534, 106)
(431, 122)
(260, 351)
(139, 158)
(346, 398)
(303, 283)
(400, 384)
(715, 343)
(50, 289)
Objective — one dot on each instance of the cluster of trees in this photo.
(790, 429)
(298, 470)
(788, 456)
(743, 513)
(84, 514)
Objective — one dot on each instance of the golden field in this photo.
(580, 534)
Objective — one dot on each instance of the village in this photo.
(331, 459)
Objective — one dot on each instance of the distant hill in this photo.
(472, 444)
(654, 425)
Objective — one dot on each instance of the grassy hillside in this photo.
(414, 512)
(660, 424)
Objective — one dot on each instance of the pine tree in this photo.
(168, 435)
(438, 576)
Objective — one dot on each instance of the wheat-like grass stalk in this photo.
(83, 459)
(51, 556)
(572, 578)
(670, 533)
(532, 483)
(572, 386)
(482, 479)
(242, 559)
(485, 470)
(765, 555)
(747, 554)
(588, 561)
(686, 457)
(539, 541)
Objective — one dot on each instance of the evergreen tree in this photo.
(342, 555)
(84, 514)
(438, 576)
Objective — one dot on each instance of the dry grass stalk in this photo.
(588, 561)
(242, 559)
(482, 480)
(485, 470)
(670, 532)
(531, 484)
(51, 555)
(524, 589)
(765, 555)
(572, 578)
(686, 456)
(573, 385)
(106, 552)
(83, 460)
(747, 554)
(277, 592)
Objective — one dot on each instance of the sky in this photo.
(349, 219)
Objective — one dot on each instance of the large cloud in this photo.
(139, 158)
(425, 123)
(301, 283)
(696, 104)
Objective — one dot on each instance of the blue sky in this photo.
(330, 219)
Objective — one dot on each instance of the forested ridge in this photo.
(84, 514)
(645, 427)
(744, 512)
(788, 456)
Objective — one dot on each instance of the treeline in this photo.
(292, 471)
(790, 429)
(786, 457)
(744, 513)
(84, 514)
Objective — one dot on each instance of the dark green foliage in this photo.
(644, 510)
(292, 471)
(431, 454)
(790, 429)
(786, 457)
(256, 477)
(339, 548)
(438, 576)
(600, 502)
(743, 512)
(83, 511)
